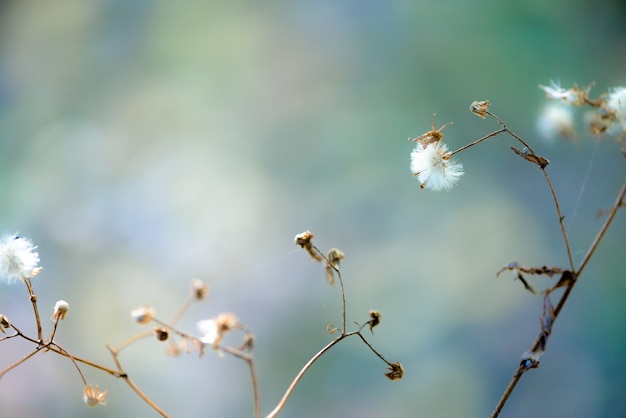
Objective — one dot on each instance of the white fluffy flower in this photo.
(616, 104)
(556, 121)
(573, 96)
(433, 167)
(18, 259)
(208, 329)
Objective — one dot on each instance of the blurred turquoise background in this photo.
(144, 143)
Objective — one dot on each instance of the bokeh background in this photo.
(144, 143)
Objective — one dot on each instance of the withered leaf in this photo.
(527, 285)
(548, 315)
(566, 278)
(548, 271)
(533, 158)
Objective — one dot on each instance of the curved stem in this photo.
(299, 376)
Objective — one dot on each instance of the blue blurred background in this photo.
(144, 143)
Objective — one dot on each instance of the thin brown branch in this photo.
(478, 141)
(561, 218)
(619, 202)
(299, 376)
(17, 363)
(520, 370)
(132, 384)
(33, 299)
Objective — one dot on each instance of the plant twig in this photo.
(520, 370)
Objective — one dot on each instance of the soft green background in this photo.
(143, 143)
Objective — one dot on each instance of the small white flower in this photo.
(434, 168)
(556, 121)
(18, 259)
(60, 310)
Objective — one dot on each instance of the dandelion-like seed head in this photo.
(556, 121)
(573, 96)
(434, 168)
(18, 259)
(93, 397)
(214, 329)
(616, 106)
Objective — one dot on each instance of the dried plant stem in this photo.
(33, 299)
(619, 202)
(64, 352)
(133, 339)
(548, 181)
(132, 385)
(299, 376)
(343, 292)
(248, 358)
(576, 274)
(183, 309)
(17, 363)
(561, 219)
(88, 363)
(478, 141)
(313, 359)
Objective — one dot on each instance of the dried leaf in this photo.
(529, 360)
(566, 278)
(527, 285)
(548, 315)
(532, 157)
(548, 271)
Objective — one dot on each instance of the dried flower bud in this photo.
(375, 319)
(93, 397)
(396, 371)
(143, 314)
(161, 333)
(248, 342)
(60, 310)
(432, 136)
(480, 109)
(303, 240)
(334, 256)
(199, 289)
(4, 323)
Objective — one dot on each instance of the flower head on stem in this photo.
(18, 259)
